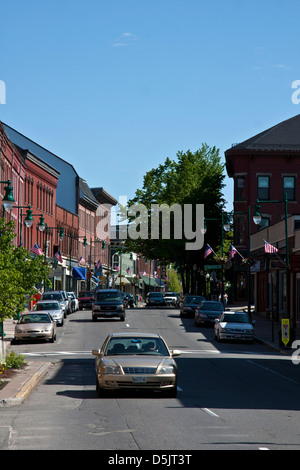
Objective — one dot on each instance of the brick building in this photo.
(265, 168)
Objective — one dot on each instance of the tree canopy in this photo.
(19, 273)
(192, 178)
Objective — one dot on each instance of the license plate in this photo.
(139, 380)
(237, 336)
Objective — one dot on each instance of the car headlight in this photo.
(110, 370)
(166, 370)
(120, 307)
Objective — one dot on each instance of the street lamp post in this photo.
(8, 200)
(257, 221)
(103, 248)
(70, 260)
(47, 228)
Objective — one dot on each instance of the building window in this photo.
(263, 188)
(289, 187)
(240, 230)
(240, 188)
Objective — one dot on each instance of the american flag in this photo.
(128, 270)
(98, 264)
(81, 260)
(58, 256)
(36, 249)
(208, 251)
(232, 251)
(270, 248)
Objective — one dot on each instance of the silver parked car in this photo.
(136, 361)
(234, 326)
(207, 311)
(54, 309)
(57, 295)
(35, 326)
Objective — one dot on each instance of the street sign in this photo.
(285, 330)
(212, 266)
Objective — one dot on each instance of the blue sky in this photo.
(116, 86)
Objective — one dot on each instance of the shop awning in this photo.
(148, 281)
(79, 274)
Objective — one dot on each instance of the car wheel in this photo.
(122, 318)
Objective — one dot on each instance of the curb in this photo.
(21, 393)
(271, 345)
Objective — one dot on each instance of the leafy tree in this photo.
(192, 178)
(19, 273)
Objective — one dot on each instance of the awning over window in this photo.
(146, 281)
(79, 274)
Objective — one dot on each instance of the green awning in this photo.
(146, 281)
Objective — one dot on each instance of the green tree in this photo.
(19, 273)
(191, 178)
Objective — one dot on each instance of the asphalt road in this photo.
(231, 396)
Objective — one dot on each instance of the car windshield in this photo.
(51, 296)
(47, 306)
(86, 294)
(155, 294)
(192, 299)
(108, 296)
(39, 318)
(235, 318)
(136, 345)
(212, 306)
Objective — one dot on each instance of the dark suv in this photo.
(108, 303)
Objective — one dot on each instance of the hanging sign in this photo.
(285, 330)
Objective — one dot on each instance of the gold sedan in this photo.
(136, 361)
(35, 326)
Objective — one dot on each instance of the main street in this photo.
(230, 395)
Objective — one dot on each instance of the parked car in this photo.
(189, 304)
(234, 326)
(86, 299)
(52, 307)
(154, 298)
(136, 361)
(207, 311)
(74, 301)
(35, 326)
(108, 303)
(57, 295)
(68, 301)
(171, 298)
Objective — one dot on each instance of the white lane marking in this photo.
(273, 372)
(263, 448)
(209, 412)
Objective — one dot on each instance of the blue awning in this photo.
(79, 274)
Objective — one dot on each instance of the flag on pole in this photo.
(208, 251)
(98, 264)
(270, 248)
(58, 256)
(128, 270)
(232, 251)
(36, 249)
(81, 260)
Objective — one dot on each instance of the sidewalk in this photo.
(266, 332)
